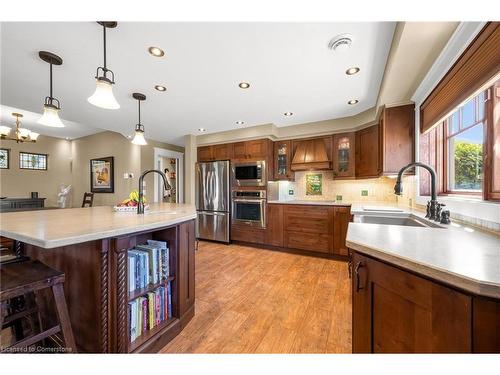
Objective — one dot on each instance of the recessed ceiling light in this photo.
(353, 101)
(288, 113)
(160, 88)
(67, 138)
(156, 51)
(244, 85)
(202, 130)
(129, 136)
(352, 71)
(240, 122)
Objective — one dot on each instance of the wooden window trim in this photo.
(488, 193)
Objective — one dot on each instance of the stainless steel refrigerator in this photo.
(213, 201)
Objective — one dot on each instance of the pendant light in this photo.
(139, 128)
(21, 135)
(105, 79)
(51, 106)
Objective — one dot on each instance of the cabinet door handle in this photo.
(356, 272)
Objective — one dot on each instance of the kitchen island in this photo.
(423, 289)
(90, 245)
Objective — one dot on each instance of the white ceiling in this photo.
(288, 65)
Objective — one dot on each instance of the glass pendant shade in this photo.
(50, 117)
(23, 132)
(4, 130)
(34, 136)
(103, 96)
(139, 138)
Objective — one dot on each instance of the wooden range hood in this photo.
(312, 154)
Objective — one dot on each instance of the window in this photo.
(4, 158)
(464, 143)
(32, 161)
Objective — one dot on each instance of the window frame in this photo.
(38, 154)
(446, 137)
(8, 157)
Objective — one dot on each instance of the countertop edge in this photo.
(312, 203)
(50, 244)
(454, 280)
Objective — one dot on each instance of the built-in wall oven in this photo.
(249, 207)
(250, 173)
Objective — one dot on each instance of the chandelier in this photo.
(20, 135)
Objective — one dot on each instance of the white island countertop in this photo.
(459, 256)
(62, 227)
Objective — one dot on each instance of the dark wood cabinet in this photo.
(246, 233)
(274, 233)
(344, 155)
(308, 228)
(341, 218)
(395, 311)
(186, 267)
(397, 138)
(486, 325)
(205, 153)
(215, 152)
(367, 152)
(256, 149)
(282, 160)
(223, 152)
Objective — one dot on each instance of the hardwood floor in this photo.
(251, 300)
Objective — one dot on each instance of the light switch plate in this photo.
(364, 193)
(338, 197)
(290, 192)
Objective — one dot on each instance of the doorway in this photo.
(172, 164)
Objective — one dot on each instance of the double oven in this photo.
(248, 198)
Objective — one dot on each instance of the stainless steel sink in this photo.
(407, 221)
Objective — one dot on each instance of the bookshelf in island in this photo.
(131, 291)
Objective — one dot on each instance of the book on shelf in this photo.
(148, 264)
(150, 310)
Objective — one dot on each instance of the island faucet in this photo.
(433, 207)
(140, 206)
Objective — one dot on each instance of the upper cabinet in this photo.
(397, 138)
(283, 160)
(216, 152)
(256, 149)
(312, 154)
(344, 155)
(367, 152)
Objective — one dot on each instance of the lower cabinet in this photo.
(395, 311)
(314, 228)
(248, 234)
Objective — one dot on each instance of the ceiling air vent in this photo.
(340, 42)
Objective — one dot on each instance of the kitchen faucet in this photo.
(433, 207)
(140, 206)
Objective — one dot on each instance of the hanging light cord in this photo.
(104, 47)
(50, 95)
(139, 112)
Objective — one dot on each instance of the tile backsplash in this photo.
(373, 189)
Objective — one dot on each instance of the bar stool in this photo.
(27, 278)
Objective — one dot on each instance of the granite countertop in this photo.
(311, 202)
(54, 228)
(457, 255)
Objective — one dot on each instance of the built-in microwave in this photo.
(250, 173)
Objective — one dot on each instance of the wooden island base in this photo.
(96, 288)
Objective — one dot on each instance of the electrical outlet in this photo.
(338, 197)
(364, 193)
(290, 192)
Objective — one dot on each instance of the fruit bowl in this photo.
(129, 208)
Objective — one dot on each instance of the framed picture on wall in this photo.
(4, 158)
(102, 174)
